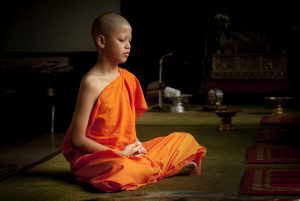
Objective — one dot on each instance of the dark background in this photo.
(160, 27)
(184, 28)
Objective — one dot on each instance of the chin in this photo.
(122, 61)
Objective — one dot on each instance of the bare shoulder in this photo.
(92, 85)
(90, 80)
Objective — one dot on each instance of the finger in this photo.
(144, 150)
(139, 146)
(137, 142)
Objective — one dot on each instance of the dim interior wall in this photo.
(52, 25)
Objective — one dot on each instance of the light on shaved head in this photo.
(106, 24)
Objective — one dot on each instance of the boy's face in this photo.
(117, 44)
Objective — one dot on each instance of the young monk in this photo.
(101, 144)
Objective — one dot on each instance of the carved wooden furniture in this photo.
(238, 70)
(249, 66)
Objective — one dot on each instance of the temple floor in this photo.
(43, 174)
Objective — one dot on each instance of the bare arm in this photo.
(89, 90)
(87, 95)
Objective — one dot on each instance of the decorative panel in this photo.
(249, 66)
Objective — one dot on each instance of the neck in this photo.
(105, 67)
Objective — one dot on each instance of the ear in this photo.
(100, 41)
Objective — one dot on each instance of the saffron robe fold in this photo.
(112, 123)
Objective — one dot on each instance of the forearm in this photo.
(88, 145)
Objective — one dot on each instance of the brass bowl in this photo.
(277, 102)
(226, 113)
(226, 119)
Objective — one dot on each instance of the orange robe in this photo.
(112, 123)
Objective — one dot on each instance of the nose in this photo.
(128, 45)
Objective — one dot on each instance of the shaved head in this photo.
(106, 23)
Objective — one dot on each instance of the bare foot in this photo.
(189, 168)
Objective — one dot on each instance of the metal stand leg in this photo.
(52, 118)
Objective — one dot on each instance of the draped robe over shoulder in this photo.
(112, 123)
